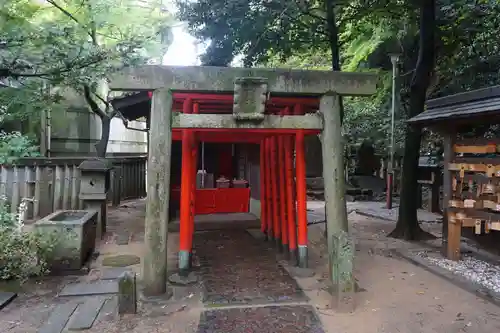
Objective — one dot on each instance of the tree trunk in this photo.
(407, 226)
(101, 146)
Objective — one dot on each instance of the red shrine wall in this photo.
(220, 159)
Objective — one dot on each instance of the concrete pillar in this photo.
(340, 246)
(160, 144)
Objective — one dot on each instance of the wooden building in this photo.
(469, 123)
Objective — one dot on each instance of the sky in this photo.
(184, 50)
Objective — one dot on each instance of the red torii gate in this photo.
(283, 202)
(251, 90)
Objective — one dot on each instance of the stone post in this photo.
(127, 294)
(158, 194)
(94, 187)
(340, 247)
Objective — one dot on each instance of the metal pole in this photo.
(390, 167)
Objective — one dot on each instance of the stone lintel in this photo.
(228, 121)
(222, 79)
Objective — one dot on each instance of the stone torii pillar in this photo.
(251, 87)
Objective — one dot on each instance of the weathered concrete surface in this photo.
(86, 313)
(6, 298)
(157, 202)
(58, 318)
(340, 247)
(221, 79)
(86, 289)
(309, 121)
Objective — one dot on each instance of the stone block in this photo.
(88, 289)
(95, 179)
(343, 281)
(127, 293)
(58, 318)
(6, 298)
(73, 233)
(86, 313)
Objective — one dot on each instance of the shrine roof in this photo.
(138, 104)
(471, 105)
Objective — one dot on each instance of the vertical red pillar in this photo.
(282, 190)
(269, 197)
(290, 199)
(263, 199)
(300, 166)
(194, 166)
(274, 185)
(185, 240)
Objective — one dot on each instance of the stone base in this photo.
(303, 257)
(301, 272)
(156, 300)
(183, 280)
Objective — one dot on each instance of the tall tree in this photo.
(407, 226)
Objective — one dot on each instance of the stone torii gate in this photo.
(251, 89)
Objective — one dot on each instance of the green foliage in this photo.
(23, 254)
(293, 34)
(46, 44)
(14, 146)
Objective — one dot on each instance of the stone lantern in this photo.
(94, 186)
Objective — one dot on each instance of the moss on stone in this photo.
(122, 260)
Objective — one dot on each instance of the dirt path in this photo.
(398, 296)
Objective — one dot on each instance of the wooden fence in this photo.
(54, 183)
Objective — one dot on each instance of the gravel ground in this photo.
(475, 270)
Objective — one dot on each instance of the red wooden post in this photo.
(274, 184)
(269, 197)
(290, 198)
(263, 199)
(300, 165)
(282, 189)
(185, 235)
(194, 108)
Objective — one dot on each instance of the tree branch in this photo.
(93, 105)
(72, 17)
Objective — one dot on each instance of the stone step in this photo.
(6, 298)
(100, 287)
(86, 313)
(59, 318)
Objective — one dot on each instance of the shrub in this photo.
(14, 145)
(22, 253)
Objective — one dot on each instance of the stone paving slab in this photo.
(238, 269)
(109, 309)
(289, 319)
(86, 313)
(58, 318)
(112, 273)
(101, 287)
(6, 298)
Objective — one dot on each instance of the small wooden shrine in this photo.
(274, 109)
(470, 124)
